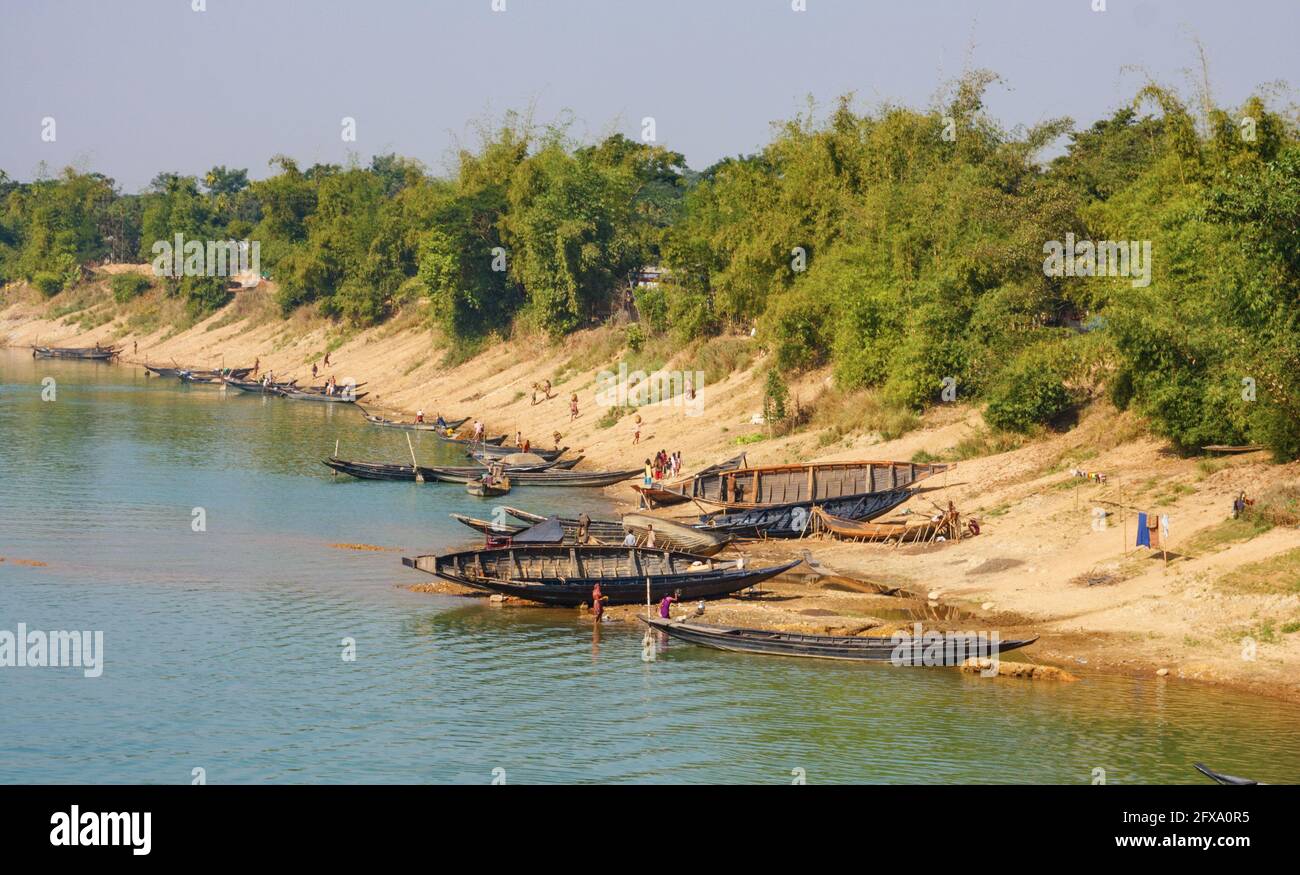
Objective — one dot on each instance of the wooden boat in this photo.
(371, 470)
(903, 650)
(412, 426)
(488, 489)
(343, 396)
(497, 451)
(795, 520)
(256, 387)
(1220, 778)
(603, 531)
(564, 575)
(165, 372)
(599, 532)
(793, 484)
(84, 353)
(391, 471)
(1245, 448)
(673, 492)
(546, 478)
(469, 442)
(924, 529)
(477, 470)
(673, 535)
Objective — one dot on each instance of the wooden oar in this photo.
(419, 478)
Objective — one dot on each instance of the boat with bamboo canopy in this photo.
(767, 485)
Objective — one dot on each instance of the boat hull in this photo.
(625, 575)
(903, 652)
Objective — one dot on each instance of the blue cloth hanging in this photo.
(1144, 534)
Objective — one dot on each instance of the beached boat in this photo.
(672, 535)
(1229, 450)
(546, 478)
(1220, 778)
(819, 482)
(599, 532)
(796, 520)
(488, 489)
(257, 387)
(603, 531)
(470, 443)
(924, 529)
(489, 453)
(341, 397)
(564, 575)
(950, 649)
(412, 426)
(165, 372)
(670, 492)
(371, 470)
(84, 353)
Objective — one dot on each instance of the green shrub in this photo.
(127, 286)
(48, 284)
(1031, 391)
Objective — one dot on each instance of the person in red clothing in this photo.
(598, 602)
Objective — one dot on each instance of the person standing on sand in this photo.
(257, 364)
(313, 370)
(573, 407)
(327, 360)
(649, 474)
(419, 415)
(519, 439)
(636, 436)
(135, 348)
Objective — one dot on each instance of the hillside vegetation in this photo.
(915, 253)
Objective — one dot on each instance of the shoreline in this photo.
(1038, 540)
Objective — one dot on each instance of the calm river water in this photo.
(222, 648)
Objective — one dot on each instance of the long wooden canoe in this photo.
(796, 520)
(669, 534)
(84, 353)
(499, 450)
(564, 575)
(468, 442)
(792, 484)
(599, 532)
(256, 387)
(411, 426)
(673, 535)
(342, 397)
(901, 650)
(546, 478)
(923, 529)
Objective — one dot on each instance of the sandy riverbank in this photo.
(1225, 610)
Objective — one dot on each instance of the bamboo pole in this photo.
(415, 466)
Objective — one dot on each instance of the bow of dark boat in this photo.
(1220, 778)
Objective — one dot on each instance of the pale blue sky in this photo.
(139, 86)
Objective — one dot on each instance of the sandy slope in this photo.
(1019, 575)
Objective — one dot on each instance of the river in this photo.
(224, 648)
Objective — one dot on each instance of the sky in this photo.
(141, 86)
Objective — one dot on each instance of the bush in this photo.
(652, 307)
(48, 284)
(127, 286)
(1031, 391)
